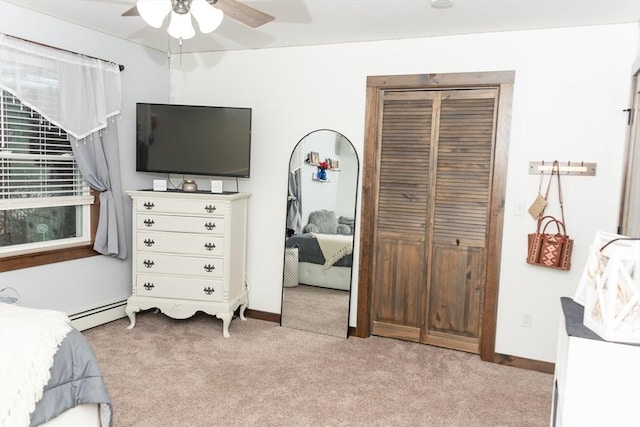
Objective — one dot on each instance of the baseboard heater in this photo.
(98, 315)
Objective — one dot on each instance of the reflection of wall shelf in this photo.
(318, 165)
(314, 177)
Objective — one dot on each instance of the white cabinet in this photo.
(596, 382)
(189, 254)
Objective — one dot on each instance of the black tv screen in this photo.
(194, 140)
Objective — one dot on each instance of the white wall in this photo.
(571, 86)
(78, 285)
(319, 195)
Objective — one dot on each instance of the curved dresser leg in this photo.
(226, 320)
(243, 307)
(131, 313)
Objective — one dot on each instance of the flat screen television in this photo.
(193, 139)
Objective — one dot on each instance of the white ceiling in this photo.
(312, 22)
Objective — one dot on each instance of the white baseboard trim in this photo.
(98, 316)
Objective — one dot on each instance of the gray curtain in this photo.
(294, 212)
(97, 157)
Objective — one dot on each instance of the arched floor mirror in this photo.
(319, 235)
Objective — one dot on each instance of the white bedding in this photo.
(26, 332)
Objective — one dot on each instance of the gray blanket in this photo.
(76, 379)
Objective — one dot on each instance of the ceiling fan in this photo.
(180, 9)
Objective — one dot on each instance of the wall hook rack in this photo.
(580, 168)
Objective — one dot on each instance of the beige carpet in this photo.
(167, 372)
(316, 309)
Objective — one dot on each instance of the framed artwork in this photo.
(314, 158)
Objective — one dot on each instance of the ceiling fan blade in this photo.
(131, 12)
(243, 13)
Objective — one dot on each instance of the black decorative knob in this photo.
(149, 222)
(148, 263)
(149, 242)
(209, 268)
(148, 286)
(209, 246)
(210, 225)
(148, 205)
(208, 290)
(210, 209)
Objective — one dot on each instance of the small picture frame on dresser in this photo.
(159, 185)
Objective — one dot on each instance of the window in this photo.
(45, 207)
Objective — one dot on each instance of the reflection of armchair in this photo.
(325, 222)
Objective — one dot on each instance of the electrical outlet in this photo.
(525, 319)
(519, 208)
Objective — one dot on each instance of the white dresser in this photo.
(189, 254)
(596, 382)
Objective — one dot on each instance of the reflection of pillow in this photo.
(343, 229)
(347, 221)
(311, 228)
(325, 221)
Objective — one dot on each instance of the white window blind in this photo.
(37, 161)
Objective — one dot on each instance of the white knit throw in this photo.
(333, 247)
(29, 338)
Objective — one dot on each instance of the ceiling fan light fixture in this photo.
(441, 4)
(180, 26)
(154, 11)
(209, 17)
(180, 6)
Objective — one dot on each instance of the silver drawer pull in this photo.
(210, 225)
(149, 242)
(210, 246)
(210, 209)
(149, 222)
(208, 290)
(148, 263)
(209, 268)
(149, 205)
(148, 286)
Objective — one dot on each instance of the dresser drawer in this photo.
(153, 263)
(180, 206)
(179, 287)
(182, 224)
(189, 244)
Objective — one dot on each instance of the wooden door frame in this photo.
(628, 197)
(503, 80)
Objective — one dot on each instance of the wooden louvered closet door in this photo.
(432, 214)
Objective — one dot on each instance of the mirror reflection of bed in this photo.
(319, 234)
